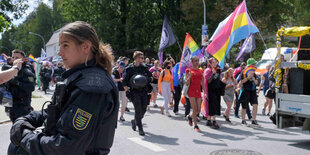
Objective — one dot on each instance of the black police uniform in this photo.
(45, 77)
(139, 96)
(87, 120)
(58, 71)
(21, 88)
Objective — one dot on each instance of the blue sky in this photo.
(32, 5)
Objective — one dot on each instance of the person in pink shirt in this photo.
(155, 70)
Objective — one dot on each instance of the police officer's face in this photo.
(140, 59)
(70, 52)
(17, 56)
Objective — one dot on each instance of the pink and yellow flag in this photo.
(238, 27)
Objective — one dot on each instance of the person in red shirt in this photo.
(194, 79)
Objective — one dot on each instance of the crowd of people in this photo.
(200, 89)
(85, 109)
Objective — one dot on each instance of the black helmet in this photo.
(138, 81)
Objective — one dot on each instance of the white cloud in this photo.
(32, 5)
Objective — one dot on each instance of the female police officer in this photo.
(88, 112)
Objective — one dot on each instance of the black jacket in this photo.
(23, 84)
(88, 116)
(58, 71)
(132, 70)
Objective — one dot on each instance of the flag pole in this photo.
(179, 46)
(258, 31)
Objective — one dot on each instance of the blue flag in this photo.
(247, 46)
(167, 38)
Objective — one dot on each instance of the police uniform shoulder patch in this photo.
(81, 119)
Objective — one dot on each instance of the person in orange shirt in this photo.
(165, 86)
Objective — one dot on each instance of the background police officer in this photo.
(58, 71)
(85, 118)
(138, 78)
(45, 76)
(21, 87)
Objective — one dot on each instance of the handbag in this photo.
(185, 89)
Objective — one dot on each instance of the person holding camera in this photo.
(136, 82)
(83, 114)
(21, 87)
(169, 58)
(10, 72)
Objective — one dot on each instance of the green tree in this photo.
(43, 25)
(16, 7)
(302, 9)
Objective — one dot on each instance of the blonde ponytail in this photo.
(104, 57)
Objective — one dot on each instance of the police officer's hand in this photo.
(18, 63)
(17, 130)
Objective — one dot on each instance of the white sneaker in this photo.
(167, 114)
(176, 113)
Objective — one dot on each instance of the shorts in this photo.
(155, 87)
(270, 94)
(248, 97)
(123, 98)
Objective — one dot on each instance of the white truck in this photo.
(293, 82)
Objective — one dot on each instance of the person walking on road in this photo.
(177, 84)
(118, 78)
(155, 70)
(195, 81)
(165, 86)
(213, 80)
(268, 90)
(138, 78)
(248, 92)
(231, 84)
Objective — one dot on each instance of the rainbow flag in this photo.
(247, 70)
(4, 56)
(238, 27)
(190, 48)
(31, 58)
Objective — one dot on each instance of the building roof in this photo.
(54, 39)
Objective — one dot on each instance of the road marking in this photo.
(147, 144)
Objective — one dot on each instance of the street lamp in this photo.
(204, 12)
(40, 37)
(6, 48)
(204, 28)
